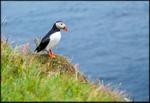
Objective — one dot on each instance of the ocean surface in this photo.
(109, 40)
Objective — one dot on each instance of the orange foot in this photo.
(52, 55)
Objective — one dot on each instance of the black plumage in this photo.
(46, 39)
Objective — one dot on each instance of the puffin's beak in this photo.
(65, 29)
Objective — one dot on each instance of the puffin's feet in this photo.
(52, 55)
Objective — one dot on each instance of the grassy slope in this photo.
(33, 77)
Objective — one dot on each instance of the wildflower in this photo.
(25, 48)
(77, 66)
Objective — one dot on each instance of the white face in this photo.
(60, 25)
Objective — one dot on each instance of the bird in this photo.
(52, 38)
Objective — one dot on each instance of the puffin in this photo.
(52, 38)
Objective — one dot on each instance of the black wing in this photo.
(43, 44)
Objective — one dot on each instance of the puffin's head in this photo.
(60, 25)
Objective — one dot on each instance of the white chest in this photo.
(54, 40)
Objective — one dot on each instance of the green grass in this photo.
(35, 77)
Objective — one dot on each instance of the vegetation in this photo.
(26, 76)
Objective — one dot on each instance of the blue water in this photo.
(108, 39)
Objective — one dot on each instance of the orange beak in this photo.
(65, 29)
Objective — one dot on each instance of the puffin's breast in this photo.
(54, 40)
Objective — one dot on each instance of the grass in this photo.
(34, 77)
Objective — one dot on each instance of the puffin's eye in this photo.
(61, 24)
